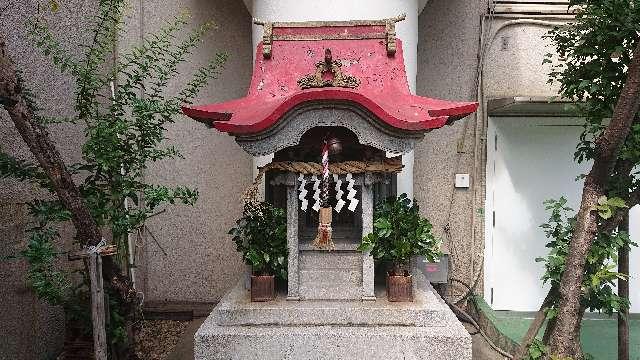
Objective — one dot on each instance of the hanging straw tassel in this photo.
(323, 239)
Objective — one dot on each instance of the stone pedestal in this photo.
(335, 329)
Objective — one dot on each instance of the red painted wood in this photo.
(383, 88)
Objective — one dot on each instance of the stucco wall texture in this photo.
(448, 53)
(201, 262)
(29, 328)
(513, 62)
(448, 42)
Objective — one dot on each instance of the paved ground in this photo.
(599, 332)
(184, 348)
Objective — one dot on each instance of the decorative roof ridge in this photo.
(270, 33)
(310, 24)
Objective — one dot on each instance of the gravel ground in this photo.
(158, 338)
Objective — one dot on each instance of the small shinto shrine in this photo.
(331, 103)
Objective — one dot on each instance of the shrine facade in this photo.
(316, 85)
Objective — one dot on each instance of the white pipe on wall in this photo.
(340, 10)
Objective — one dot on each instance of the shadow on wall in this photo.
(23, 318)
(201, 263)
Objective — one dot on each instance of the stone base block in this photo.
(333, 329)
(236, 308)
(214, 342)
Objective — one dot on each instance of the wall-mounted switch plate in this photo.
(462, 180)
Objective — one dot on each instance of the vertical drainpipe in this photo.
(340, 10)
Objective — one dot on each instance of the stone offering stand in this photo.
(347, 79)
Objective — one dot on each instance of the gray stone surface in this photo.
(237, 309)
(333, 274)
(292, 241)
(423, 329)
(331, 342)
(367, 227)
(324, 260)
(331, 284)
(368, 129)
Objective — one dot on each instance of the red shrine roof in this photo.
(358, 61)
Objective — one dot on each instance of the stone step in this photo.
(214, 342)
(332, 284)
(322, 260)
(427, 310)
(330, 275)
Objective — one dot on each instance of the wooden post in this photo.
(97, 296)
(97, 306)
(623, 292)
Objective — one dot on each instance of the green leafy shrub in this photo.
(537, 350)
(399, 233)
(600, 268)
(260, 236)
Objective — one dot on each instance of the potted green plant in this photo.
(260, 236)
(400, 233)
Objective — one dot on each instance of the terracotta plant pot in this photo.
(263, 288)
(399, 287)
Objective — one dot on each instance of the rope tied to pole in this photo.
(97, 248)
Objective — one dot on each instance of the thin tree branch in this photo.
(523, 350)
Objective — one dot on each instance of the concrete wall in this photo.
(30, 329)
(448, 48)
(513, 63)
(201, 263)
(448, 37)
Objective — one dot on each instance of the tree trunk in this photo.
(537, 323)
(565, 338)
(43, 149)
(623, 292)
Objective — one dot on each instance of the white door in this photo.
(529, 160)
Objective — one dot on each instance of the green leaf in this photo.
(602, 200)
(605, 212)
(617, 202)
(261, 238)
(399, 233)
